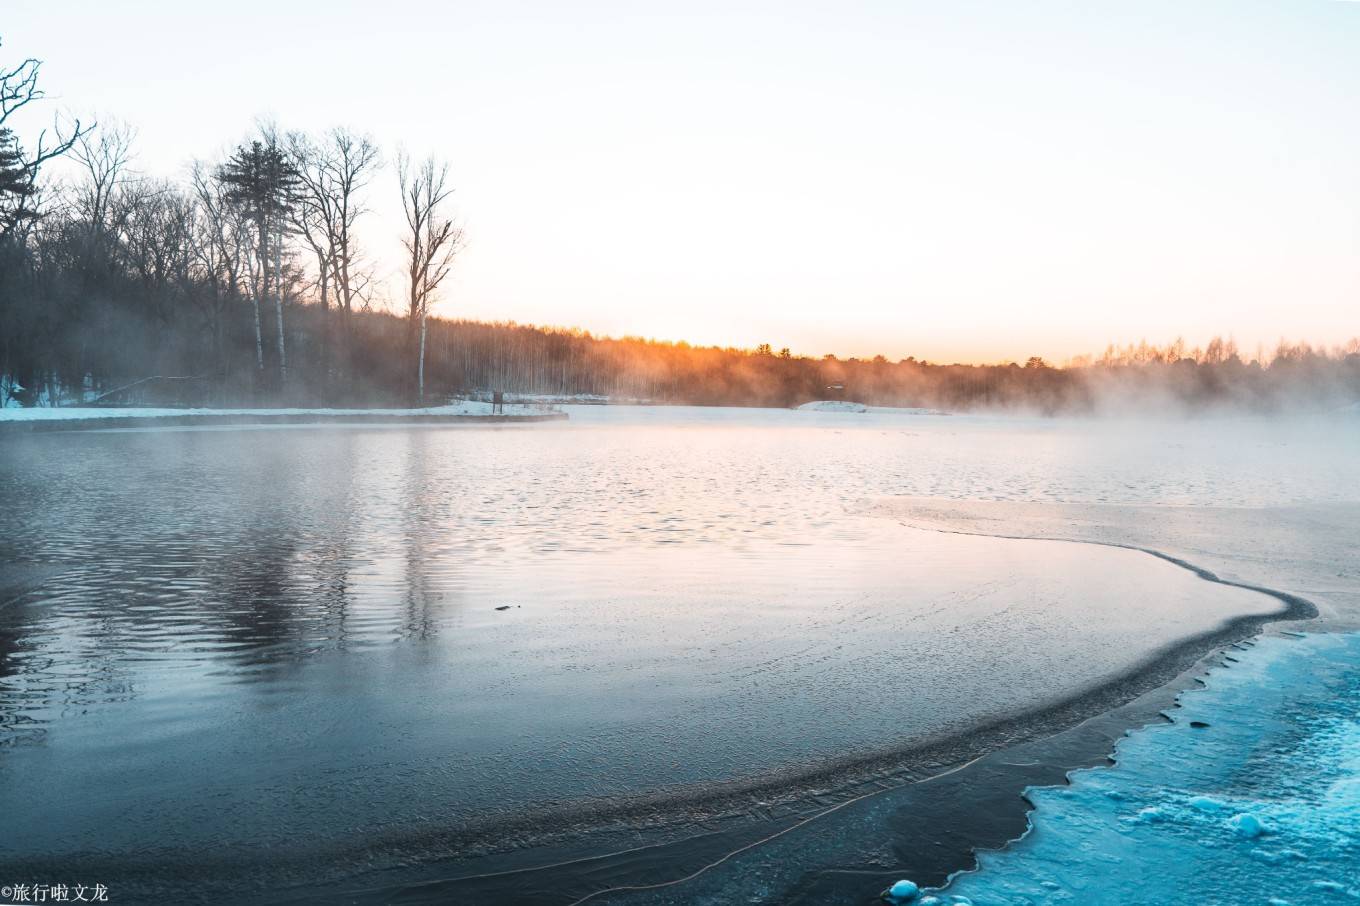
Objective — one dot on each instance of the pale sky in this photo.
(954, 180)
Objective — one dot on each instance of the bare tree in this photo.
(332, 173)
(18, 169)
(221, 248)
(431, 241)
(106, 157)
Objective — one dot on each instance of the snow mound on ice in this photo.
(903, 891)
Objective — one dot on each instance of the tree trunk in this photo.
(261, 288)
(420, 368)
(259, 338)
(278, 304)
(327, 329)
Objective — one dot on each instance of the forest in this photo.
(247, 284)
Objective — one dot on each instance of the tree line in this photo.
(246, 283)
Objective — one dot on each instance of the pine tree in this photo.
(261, 179)
(16, 183)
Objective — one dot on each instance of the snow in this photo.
(903, 891)
(1281, 755)
(1246, 825)
(460, 408)
(904, 410)
(860, 408)
(1208, 804)
(833, 406)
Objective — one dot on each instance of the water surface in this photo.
(282, 654)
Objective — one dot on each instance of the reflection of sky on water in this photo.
(296, 630)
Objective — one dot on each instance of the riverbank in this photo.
(19, 421)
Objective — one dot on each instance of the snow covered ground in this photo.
(460, 408)
(860, 408)
(833, 406)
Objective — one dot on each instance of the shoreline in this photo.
(265, 418)
(1255, 704)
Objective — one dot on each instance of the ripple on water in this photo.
(228, 617)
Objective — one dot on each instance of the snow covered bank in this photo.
(833, 406)
(904, 410)
(847, 406)
(97, 417)
(1250, 795)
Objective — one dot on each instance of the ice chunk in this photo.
(1246, 825)
(1207, 804)
(903, 891)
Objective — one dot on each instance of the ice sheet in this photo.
(1251, 794)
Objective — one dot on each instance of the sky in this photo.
(955, 180)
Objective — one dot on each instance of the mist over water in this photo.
(285, 649)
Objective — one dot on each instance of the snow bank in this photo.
(461, 408)
(847, 406)
(1261, 805)
(833, 406)
(904, 410)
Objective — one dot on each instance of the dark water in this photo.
(263, 661)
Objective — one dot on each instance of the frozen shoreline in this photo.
(1301, 549)
(1217, 786)
(88, 417)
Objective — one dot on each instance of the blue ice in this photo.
(1262, 806)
